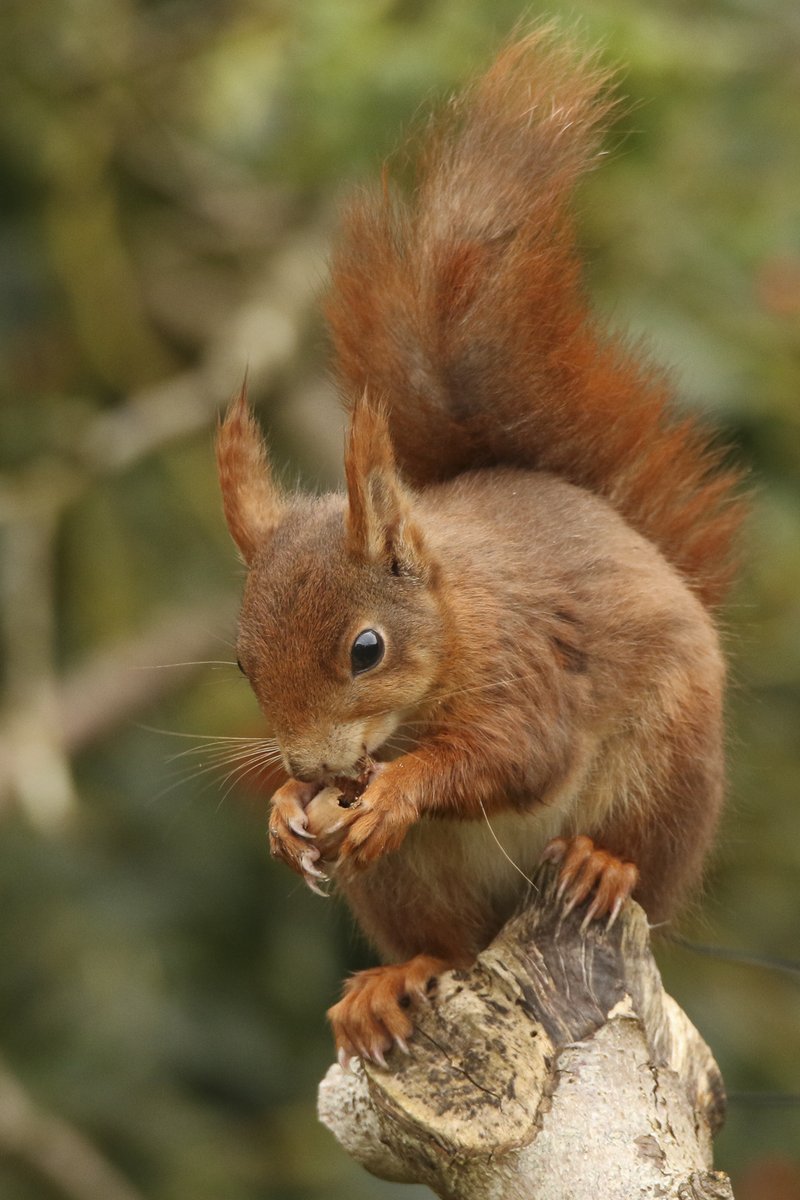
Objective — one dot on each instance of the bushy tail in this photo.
(461, 307)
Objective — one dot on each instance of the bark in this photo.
(556, 1068)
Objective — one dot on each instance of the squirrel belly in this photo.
(589, 675)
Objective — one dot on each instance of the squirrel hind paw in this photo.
(586, 870)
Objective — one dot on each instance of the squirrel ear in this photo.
(380, 527)
(253, 504)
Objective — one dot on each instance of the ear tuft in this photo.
(252, 502)
(380, 527)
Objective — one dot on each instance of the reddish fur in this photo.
(252, 503)
(539, 540)
(462, 308)
(381, 999)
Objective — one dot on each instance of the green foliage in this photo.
(170, 173)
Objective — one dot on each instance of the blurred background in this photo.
(170, 174)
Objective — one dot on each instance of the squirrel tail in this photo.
(460, 307)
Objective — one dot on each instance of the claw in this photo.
(554, 851)
(566, 879)
(375, 769)
(300, 830)
(345, 1060)
(378, 1057)
(615, 911)
(591, 912)
(314, 886)
(402, 1044)
(307, 863)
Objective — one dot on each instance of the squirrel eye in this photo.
(366, 651)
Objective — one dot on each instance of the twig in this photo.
(262, 336)
(53, 1148)
(34, 756)
(115, 685)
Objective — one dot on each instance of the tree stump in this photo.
(556, 1068)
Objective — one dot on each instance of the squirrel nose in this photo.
(305, 774)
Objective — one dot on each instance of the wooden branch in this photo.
(557, 1068)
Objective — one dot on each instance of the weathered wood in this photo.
(555, 1069)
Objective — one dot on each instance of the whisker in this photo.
(183, 780)
(237, 776)
(188, 776)
(221, 764)
(487, 685)
(503, 850)
(200, 662)
(221, 755)
(490, 683)
(209, 737)
(252, 757)
(212, 747)
(212, 769)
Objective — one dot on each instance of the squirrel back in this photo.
(460, 308)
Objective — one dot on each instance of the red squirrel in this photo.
(505, 625)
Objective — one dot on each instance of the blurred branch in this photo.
(48, 719)
(113, 686)
(109, 689)
(35, 754)
(54, 1149)
(262, 337)
(116, 50)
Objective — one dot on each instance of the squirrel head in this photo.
(341, 628)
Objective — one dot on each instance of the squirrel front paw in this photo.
(289, 836)
(374, 1013)
(375, 824)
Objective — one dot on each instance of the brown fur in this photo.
(462, 308)
(534, 535)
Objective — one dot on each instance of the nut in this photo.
(323, 814)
